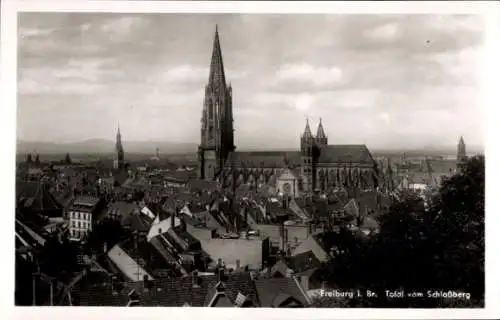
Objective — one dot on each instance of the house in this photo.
(238, 253)
(287, 235)
(34, 198)
(162, 223)
(320, 244)
(81, 214)
(220, 290)
(137, 257)
(299, 209)
(291, 265)
(120, 210)
(281, 293)
(28, 240)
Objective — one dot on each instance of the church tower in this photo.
(461, 153)
(217, 134)
(306, 150)
(120, 157)
(321, 138)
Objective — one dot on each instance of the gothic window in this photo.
(210, 110)
(211, 133)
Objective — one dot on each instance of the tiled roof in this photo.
(263, 159)
(270, 288)
(303, 261)
(123, 208)
(137, 222)
(171, 292)
(36, 197)
(345, 154)
(327, 240)
(201, 185)
(146, 254)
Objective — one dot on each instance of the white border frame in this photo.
(490, 89)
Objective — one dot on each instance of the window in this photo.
(74, 223)
(79, 224)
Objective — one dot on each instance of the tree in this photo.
(67, 159)
(438, 246)
(457, 232)
(59, 257)
(109, 232)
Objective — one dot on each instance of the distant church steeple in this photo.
(461, 152)
(320, 135)
(120, 156)
(217, 133)
(307, 131)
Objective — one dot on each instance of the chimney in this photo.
(183, 224)
(113, 280)
(195, 279)
(146, 283)
(238, 264)
(172, 220)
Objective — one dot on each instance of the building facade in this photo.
(316, 165)
(80, 216)
(217, 136)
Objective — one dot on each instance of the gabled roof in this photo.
(272, 290)
(345, 154)
(167, 292)
(36, 197)
(303, 261)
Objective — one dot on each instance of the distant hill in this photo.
(101, 146)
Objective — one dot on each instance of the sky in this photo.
(388, 81)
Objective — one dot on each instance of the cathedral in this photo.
(316, 166)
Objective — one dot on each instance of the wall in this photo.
(80, 222)
(300, 232)
(164, 225)
(249, 252)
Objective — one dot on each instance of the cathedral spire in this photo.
(216, 76)
(119, 148)
(307, 130)
(461, 151)
(320, 135)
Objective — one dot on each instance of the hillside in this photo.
(100, 146)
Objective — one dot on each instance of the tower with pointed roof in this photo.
(217, 134)
(120, 156)
(461, 152)
(306, 150)
(321, 138)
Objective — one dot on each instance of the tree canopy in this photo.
(420, 247)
